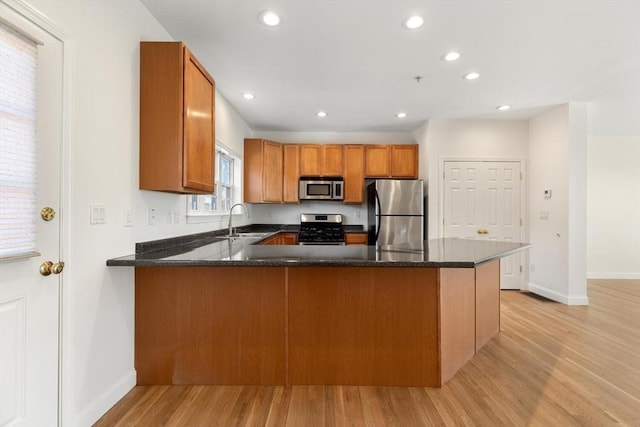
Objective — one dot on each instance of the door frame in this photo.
(524, 230)
(67, 41)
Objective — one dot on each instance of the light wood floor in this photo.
(551, 365)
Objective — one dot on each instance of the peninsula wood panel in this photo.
(487, 302)
(376, 326)
(210, 325)
(457, 319)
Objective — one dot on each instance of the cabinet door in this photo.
(272, 171)
(199, 141)
(311, 160)
(356, 238)
(353, 174)
(291, 173)
(404, 161)
(289, 238)
(377, 161)
(332, 160)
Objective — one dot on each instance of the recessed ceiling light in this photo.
(503, 107)
(401, 115)
(322, 114)
(269, 18)
(414, 22)
(248, 95)
(451, 56)
(471, 76)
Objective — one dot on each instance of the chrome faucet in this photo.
(246, 211)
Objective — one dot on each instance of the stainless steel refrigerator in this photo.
(395, 212)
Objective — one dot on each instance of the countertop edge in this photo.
(296, 263)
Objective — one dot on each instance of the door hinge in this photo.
(521, 222)
(520, 176)
(443, 174)
(520, 269)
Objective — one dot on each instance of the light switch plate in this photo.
(98, 214)
(128, 217)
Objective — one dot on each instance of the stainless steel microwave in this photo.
(321, 188)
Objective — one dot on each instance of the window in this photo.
(18, 86)
(227, 190)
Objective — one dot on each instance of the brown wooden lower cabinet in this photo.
(311, 325)
(356, 238)
(282, 238)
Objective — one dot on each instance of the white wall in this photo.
(98, 301)
(464, 139)
(613, 188)
(557, 162)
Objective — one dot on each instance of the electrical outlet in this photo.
(532, 268)
(128, 217)
(357, 214)
(176, 217)
(152, 216)
(169, 217)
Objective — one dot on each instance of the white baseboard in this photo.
(92, 412)
(598, 275)
(555, 296)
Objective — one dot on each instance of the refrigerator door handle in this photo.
(378, 215)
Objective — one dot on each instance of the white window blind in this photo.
(18, 163)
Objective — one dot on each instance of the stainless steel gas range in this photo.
(321, 229)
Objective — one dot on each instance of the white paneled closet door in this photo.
(482, 200)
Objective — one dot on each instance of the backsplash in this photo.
(290, 213)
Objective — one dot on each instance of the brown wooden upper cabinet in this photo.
(291, 173)
(177, 120)
(391, 161)
(404, 161)
(321, 160)
(353, 173)
(263, 171)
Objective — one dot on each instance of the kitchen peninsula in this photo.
(211, 310)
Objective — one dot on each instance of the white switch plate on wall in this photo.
(98, 214)
(128, 217)
(152, 216)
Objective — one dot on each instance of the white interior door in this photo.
(482, 200)
(29, 300)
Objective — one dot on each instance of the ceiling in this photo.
(355, 59)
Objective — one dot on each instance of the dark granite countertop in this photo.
(211, 249)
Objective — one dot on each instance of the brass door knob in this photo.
(48, 267)
(47, 213)
(482, 231)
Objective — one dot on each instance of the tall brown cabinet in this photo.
(177, 120)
